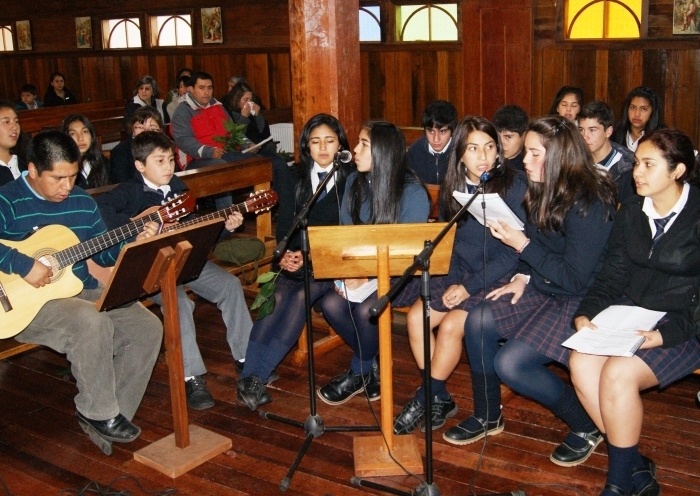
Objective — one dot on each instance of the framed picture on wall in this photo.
(83, 32)
(211, 25)
(686, 16)
(24, 35)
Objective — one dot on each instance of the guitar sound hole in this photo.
(50, 261)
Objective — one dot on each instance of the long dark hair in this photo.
(383, 185)
(306, 162)
(99, 173)
(655, 120)
(232, 100)
(456, 177)
(570, 176)
(676, 148)
(563, 91)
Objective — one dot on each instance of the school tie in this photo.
(471, 189)
(660, 226)
(321, 177)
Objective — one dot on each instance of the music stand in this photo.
(381, 251)
(157, 264)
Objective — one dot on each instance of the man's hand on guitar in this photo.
(149, 229)
(233, 221)
(40, 275)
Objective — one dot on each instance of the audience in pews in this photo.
(56, 93)
(28, 98)
(653, 261)
(174, 93)
(156, 182)
(641, 113)
(382, 191)
(10, 164)
(567, 102)
(570, 209)
(511, 122)
(595, 121)
(244, 110)
(112, 353)
(94, 167)
(274, 335)
(428, 157)
(121, 160)
(479, 264)
(146, 93)
(179, 97)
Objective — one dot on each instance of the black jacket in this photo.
(663, 279)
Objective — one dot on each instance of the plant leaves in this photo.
(259, 300)
(266, 308)
(268, 289)
(266, 277)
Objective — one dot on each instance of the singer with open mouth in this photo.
(479, 263)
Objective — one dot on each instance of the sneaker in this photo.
(566, 456)
(252, 392)
(473, 429)
(198, 396)
(442, 409)
(409, 418)
(343, 387)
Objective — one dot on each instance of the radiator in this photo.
(283, 134)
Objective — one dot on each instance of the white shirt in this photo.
(13, 165)
(648, 208)
(165, 188)
(315, 181)
(631, 142)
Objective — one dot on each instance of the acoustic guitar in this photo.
(58, 247)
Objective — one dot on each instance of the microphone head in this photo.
(344, 156)
(486, 176)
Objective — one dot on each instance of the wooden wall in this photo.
(511, 52)
(256, 44)
(608, 71)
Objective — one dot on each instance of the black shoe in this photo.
(273, 377)
(566, 456)
(442, 410)
(615, 490)
(372, 388)
(473, 429)
(652, 487)
(252, 392)
(240, 364)
(118, 429)
(409, 418)
(198, 396)
(343, 387)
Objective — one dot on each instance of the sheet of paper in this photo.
(496, 209)
(615, 333)
(256, 147)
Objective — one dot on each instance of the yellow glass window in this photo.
(601, 19)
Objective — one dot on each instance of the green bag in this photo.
(241, 251)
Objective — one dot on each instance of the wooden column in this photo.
(325, 51)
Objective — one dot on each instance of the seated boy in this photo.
(511, 123)
(430, 154)
(28, 99)
(111, 353)
(154, 160)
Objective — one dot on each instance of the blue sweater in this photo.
(471, 243)
(22, 211)
(414, 208)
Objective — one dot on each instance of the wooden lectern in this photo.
(383, 251)
(160, 264)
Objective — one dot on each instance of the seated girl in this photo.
(93, 168)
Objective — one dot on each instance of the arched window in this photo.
(370, 23)
(121, 33)
(174, 30)
(6, 44)
(603, 19)
(428, 22)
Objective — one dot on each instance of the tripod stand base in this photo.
(372, 457)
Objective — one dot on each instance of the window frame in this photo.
(107, 33)
(10, 35)
(563, 29)
(154, 32)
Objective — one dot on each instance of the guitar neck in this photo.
(88, 248)
(223, 213)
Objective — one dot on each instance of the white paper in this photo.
(615, 333)
(256, 146)
(496, 209)
(357, 295)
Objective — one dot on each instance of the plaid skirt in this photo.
(541, 321)
(669, 364)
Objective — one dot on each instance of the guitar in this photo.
(257, 202)
(58, 247)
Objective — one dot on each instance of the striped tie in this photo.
(660, 226)
(321, 177)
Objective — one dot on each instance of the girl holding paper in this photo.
(653, 261)
(570, 209)
(382, 191)
(478, 261)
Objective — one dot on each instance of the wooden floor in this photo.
(43, 451)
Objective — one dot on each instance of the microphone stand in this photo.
(313, 425)
(422, 261)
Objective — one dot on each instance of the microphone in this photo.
(497, 170)
(344, 156)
